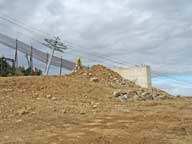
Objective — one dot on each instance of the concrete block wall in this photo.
(141, 75)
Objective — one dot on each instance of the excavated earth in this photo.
(95, 106)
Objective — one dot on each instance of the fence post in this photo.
(31, 60)
(16, 54)
(1, 68)
(61, 65)
(47, 58)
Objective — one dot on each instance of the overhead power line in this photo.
(24, 26)
(91, 54)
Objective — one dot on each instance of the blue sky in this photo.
(176, 85)
(153, 32)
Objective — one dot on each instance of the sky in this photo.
(130, 32)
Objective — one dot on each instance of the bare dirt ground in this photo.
(75, 109)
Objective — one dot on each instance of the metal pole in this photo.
(1, 66)
(16, 54)
(14, 70)
(61, 65)
(3, 70)
(31, 60)
(49, 61)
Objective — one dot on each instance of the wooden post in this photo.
(16, 54)
(61, 65)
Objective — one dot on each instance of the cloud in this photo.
(153, 32)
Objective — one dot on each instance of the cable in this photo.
(99, 56)
(24, 26)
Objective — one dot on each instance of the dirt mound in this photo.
(95, 89)
(126, 90)
(104, 73)
(91, 106)
(101, 74)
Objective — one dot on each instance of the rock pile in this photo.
(141, 95)
(128, 90)
(100, 73)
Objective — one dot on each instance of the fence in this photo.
(37, 54)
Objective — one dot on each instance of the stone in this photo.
(148, 97)
(49, 96)
(64, 111)
(54, 98)
(110, 77)
(82, 112)
(89, 74)
(22, 112)
(94, 79)
(95, 106)
(123, 83)
(23, 91)
(160, 98)
(19, 121)
(115, 79)
(33, 113)
(123, 98)
(123, 93)
(117, 93)
(145, 94)
(85, 74)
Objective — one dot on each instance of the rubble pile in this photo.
(128, 90)
(99, 73)
(141, 95)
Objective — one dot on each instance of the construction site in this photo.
(90, 105)
(95, 72)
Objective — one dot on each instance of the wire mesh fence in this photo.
(37, 54)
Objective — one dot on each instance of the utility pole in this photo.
(51, 44)
(54, 45)
(16, 54)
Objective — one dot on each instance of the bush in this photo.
(7, 70)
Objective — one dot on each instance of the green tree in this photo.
(5, 68)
